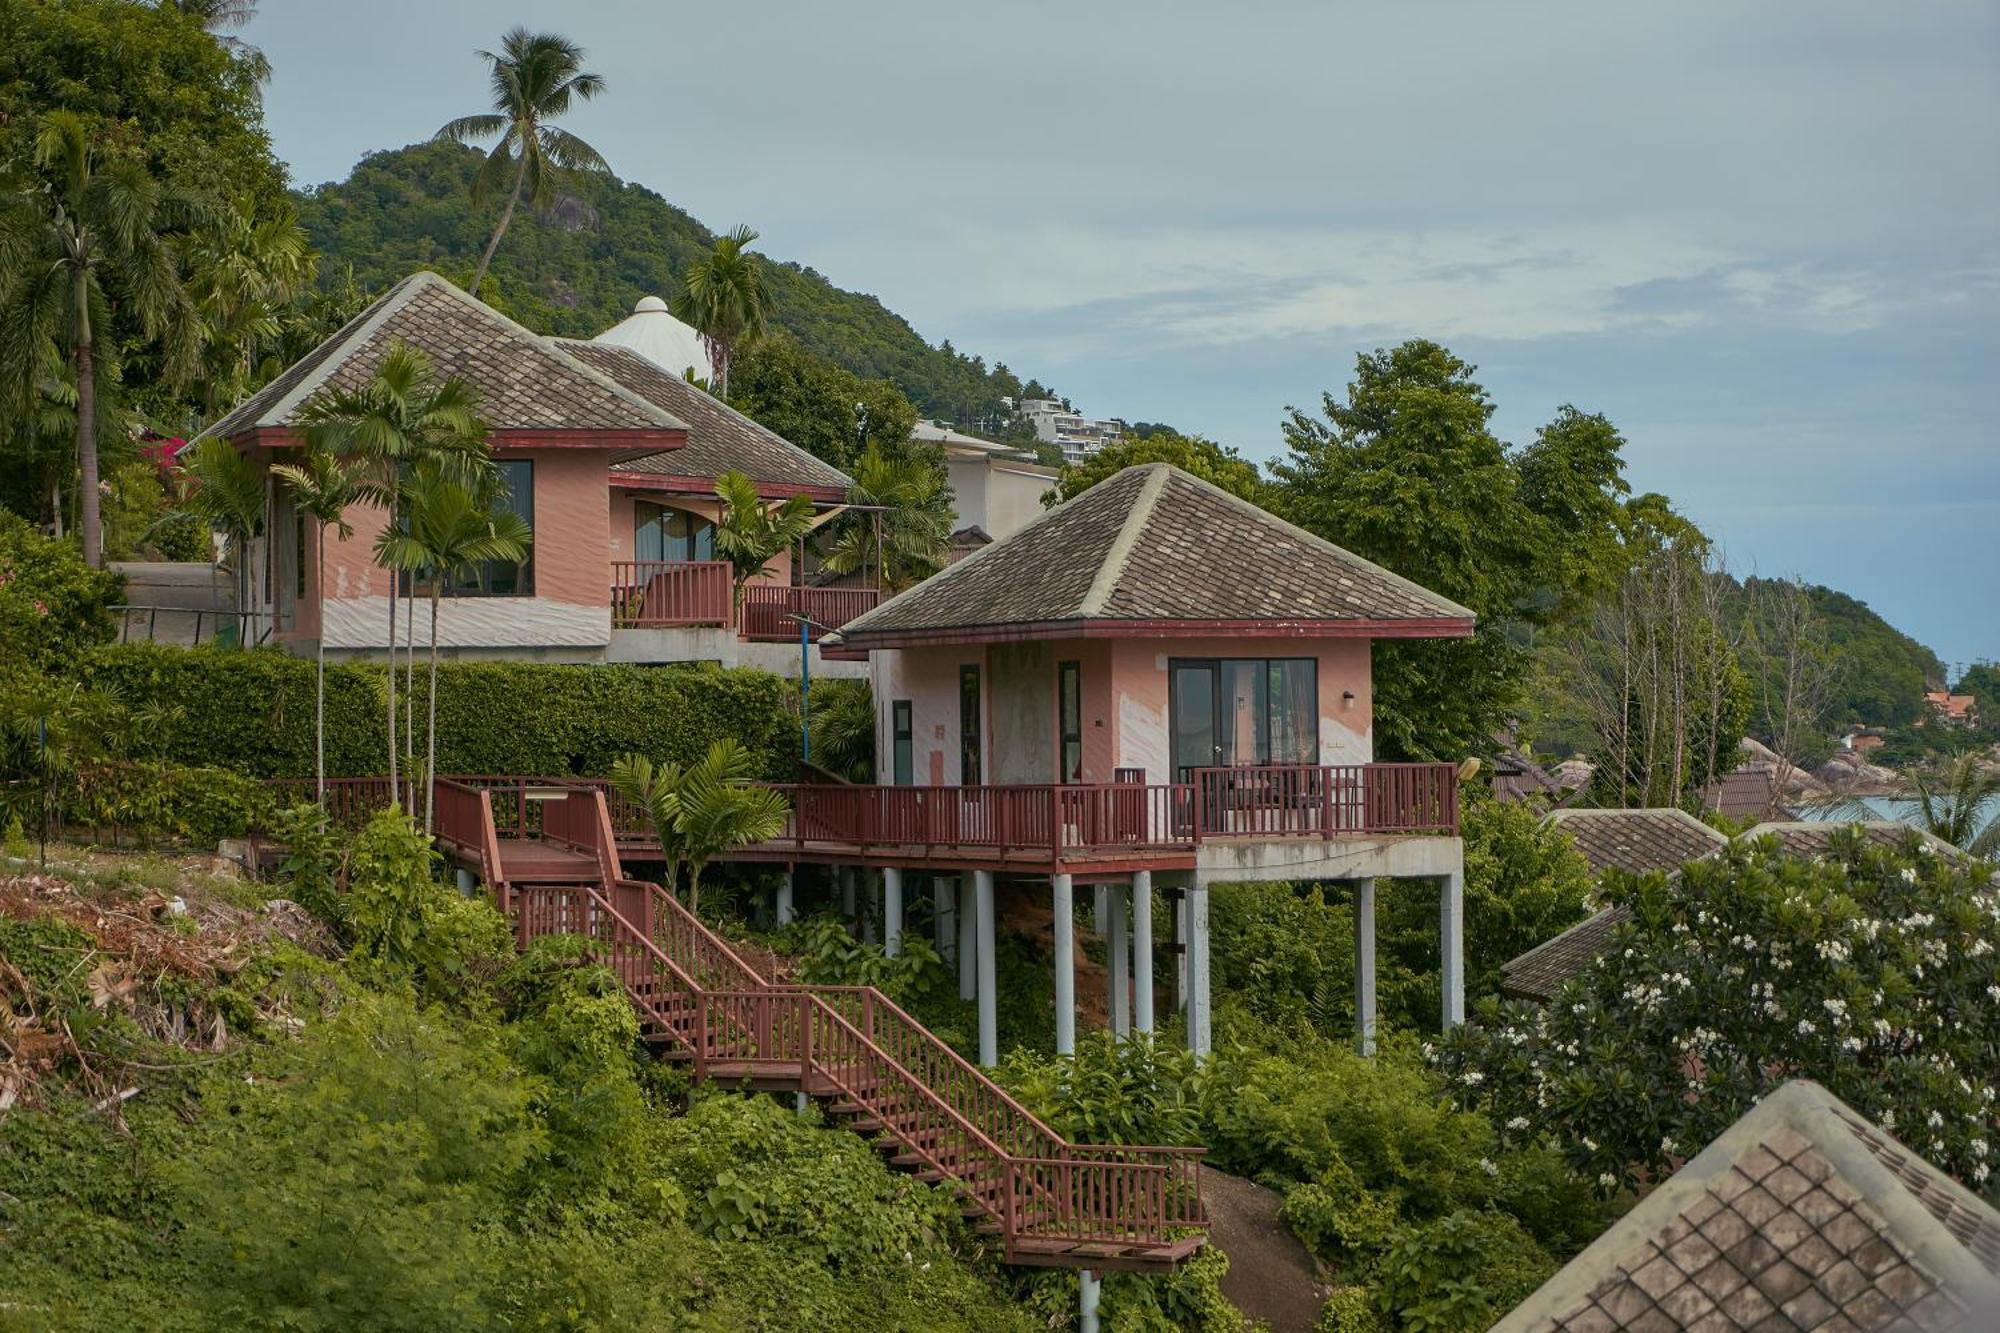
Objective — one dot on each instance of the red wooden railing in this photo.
(1313, 801)
(656, 594)
(768, 610)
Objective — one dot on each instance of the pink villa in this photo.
(610, 457)
(1156, 685)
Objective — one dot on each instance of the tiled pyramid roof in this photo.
(1809, 837)
(1157, 547)
(1639, 841)
(719, 437)
(1540, 972)
(1800, 1216)
(525, 381)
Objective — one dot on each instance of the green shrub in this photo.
(1350, 1309)
(1459, 1273)
(52, 605)
(310, 872)
(403, 923)
(1132, 1090)
(252, 711)
(150, 799)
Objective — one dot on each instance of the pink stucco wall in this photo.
(1125, 707)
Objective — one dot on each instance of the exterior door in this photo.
(1196, 741)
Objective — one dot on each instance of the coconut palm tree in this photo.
(219, 15)
(243, 275)
(912, 500)
(90, 236)
(1961, 803)
(752, 533)
(722, 296)
(536, 77)
(226, 489)
(323, 488)
(701, 810)
(401, 415)
(452, 528)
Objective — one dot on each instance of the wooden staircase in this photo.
(1044, 1201)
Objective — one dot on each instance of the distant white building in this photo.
(1076, 435)
(653, 332)
(996, 488)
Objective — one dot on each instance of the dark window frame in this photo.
(902, 743)
(479, 582)
(971, 730)
(1217, 667)
(1069, 721)
(699, 524)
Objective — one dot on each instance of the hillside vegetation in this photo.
(576, 268)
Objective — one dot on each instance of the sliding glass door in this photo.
(1239, 711)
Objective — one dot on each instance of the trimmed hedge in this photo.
(252, 711)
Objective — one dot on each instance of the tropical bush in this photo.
(52, 605)
(1874, 970)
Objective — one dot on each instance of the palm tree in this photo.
(92, 237)
(323, 488)
(701, 810)
(218, 15)
(243, 275)
(1961, 804)
(912, 499)
(401, 415)
(453, 527)
(226, 489)
(751, 533)
(722, 295)
(536, 76)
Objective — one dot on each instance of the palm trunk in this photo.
(410, 688)
(722, 370)
(506, 216)
(89, 522)
(395, 791)
(431, 738)
(319, 683)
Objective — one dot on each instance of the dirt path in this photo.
(1272, 1277)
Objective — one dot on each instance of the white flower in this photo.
(1589, 1144)
(1977, 1147)
(1909, 875)
(1473, 1078)
(1889, 1119)
(1607, 1180)
(1806, 1029)
(1668, 1146)
(1486, 1165)
(1979, 1173)
(1838, 1008)
(1937, 1120)
(1518, 1123)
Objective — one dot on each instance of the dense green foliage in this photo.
(1884, 672)
(253, 712)
(577, 266)
(1875, 971)
(1204, 458)
(825, 409)
(52, 606)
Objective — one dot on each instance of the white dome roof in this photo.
(653, 332)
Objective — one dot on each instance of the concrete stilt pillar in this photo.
(1118, 948)
(1451, 945)
(1064, 929)
(468, 883)
(1088, 1288)
(944, 910)
(1364, 965)
(784, 906)
(1180, 951)
(892, 911)
(1142, 950)
(968, 943)
(1197, 972)
(989, 1008)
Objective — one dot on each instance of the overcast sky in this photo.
(1764, 238)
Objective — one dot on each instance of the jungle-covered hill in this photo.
(575, 268)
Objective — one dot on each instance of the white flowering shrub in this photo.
(1875, 971)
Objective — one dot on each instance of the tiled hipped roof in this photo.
(1540, 972)
(719, 437)
(1800, 1216)
(1813, 837)
(525, 381)
(1639, 841)
(1154, 544)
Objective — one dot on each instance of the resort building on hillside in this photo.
(1154, 685)
(996, 488)
(612, 459)
(1801, 1215)
(1076, 435)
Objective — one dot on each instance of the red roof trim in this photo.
(1441, 627)
(705, 486)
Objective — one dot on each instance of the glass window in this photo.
(499, 578)
(968, 726)
(903, 742)
(1245, 706)
(1243, 711)
(660, 533)
(1069, 688)
(1294, 710)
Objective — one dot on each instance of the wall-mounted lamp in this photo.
(1347, 698)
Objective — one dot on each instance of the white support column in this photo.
(784, 908)
(989, 1010)
(1063, 927)
(892, 911)
(944, 912)
(1364, 965)
(1118, 951)
(1180, 956)
(1451, 945)
(468, 883)
(1088, 1288)
(1197, 971)
(968, 943)
(1142, 950)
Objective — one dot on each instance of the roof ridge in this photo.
(1267, 516)
(1671, 812)
(1112, 567)
(650, 364)
(344, 340)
